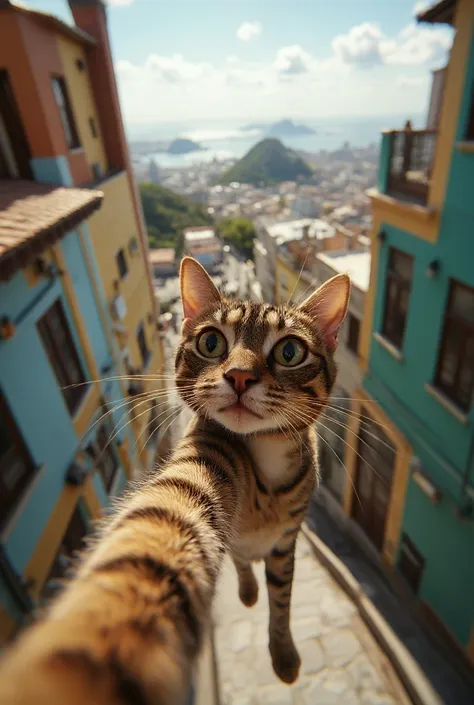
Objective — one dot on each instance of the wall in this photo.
(448, 580)
(30, 54)
(111, 229)
(82, 100)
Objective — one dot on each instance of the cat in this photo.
(128, 628)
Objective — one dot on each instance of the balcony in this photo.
(406, 162)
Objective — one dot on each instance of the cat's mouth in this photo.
(239, 408)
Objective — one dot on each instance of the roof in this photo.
(162, 255)
(355, 264)
(204, 248)
(203, 233)
(295, 230)
(441, 12)
(50, 20)
(34, 216)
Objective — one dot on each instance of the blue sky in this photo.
(216, 60)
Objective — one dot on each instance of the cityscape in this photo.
(95, 218)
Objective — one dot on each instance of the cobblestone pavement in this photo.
(341, 662)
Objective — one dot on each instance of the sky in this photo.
(233, 60)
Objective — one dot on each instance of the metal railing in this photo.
(410, 165)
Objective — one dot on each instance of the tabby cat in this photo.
(128, 628)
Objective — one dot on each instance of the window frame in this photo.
(73, 391)
(66, 113)
(411, 572)
(102, 453)
(351, 318)
(122, 264)
(452, 392)
(145, 351)
(17, 449)
(402, 284)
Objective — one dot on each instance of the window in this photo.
(353, 327)
(71, 543)
(397, 295)
(142, 344)
(104, 456)
(14, 149)
(97, 172)
(65, 112)
(470, 124)
(332, 447)
(121, 263)
(455, 373)
(16, 467)
(93, 127)
(57, 340)
(411, 563)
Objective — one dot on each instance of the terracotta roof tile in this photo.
(33, 216)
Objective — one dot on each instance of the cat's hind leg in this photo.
(248, 586)
(279, 567)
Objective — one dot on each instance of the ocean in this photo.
(227, 140)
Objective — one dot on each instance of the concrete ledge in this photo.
(414, 680)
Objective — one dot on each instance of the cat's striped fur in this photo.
(128, 628)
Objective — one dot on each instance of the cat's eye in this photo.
(289, 352)
(212, 343)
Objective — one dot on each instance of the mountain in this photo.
(267, 162)
(182, 145)
(288, 128)
(167, 214)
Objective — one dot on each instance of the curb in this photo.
(414, 680)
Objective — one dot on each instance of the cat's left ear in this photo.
(197, 289)
(328, 307)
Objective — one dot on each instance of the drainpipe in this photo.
(15, 583)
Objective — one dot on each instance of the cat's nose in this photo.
(241, 379)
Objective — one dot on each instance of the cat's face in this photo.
(255, 367)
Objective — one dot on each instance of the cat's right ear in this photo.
(198, 291)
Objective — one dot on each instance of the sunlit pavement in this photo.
(341, 662)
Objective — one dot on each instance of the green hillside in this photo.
(267, 162)
(167, 214)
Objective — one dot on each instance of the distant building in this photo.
(154, 172)
(77, 304)
(203, 244)
(305, 234)
(163, 262)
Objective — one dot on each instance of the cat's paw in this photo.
(248, 593)
(286, 661)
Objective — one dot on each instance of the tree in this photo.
(240, 233)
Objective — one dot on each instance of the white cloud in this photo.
(365, 45)
(119, 3)
(360, 46)
(412, 81)
(420, 6)
(292, 60)
(248, 30)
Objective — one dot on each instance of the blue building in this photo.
(413, 464)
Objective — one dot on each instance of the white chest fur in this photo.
(274, 457)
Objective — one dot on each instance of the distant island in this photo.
(182, 145)
(283, 128)
(288, 128)
(267, 162)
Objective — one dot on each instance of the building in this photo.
(77, 311)
(203, 244)
(412, 456)
(163, 262)
(272, 234)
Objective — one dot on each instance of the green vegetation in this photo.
(240, 233)
(167, 214)
(267, 162)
